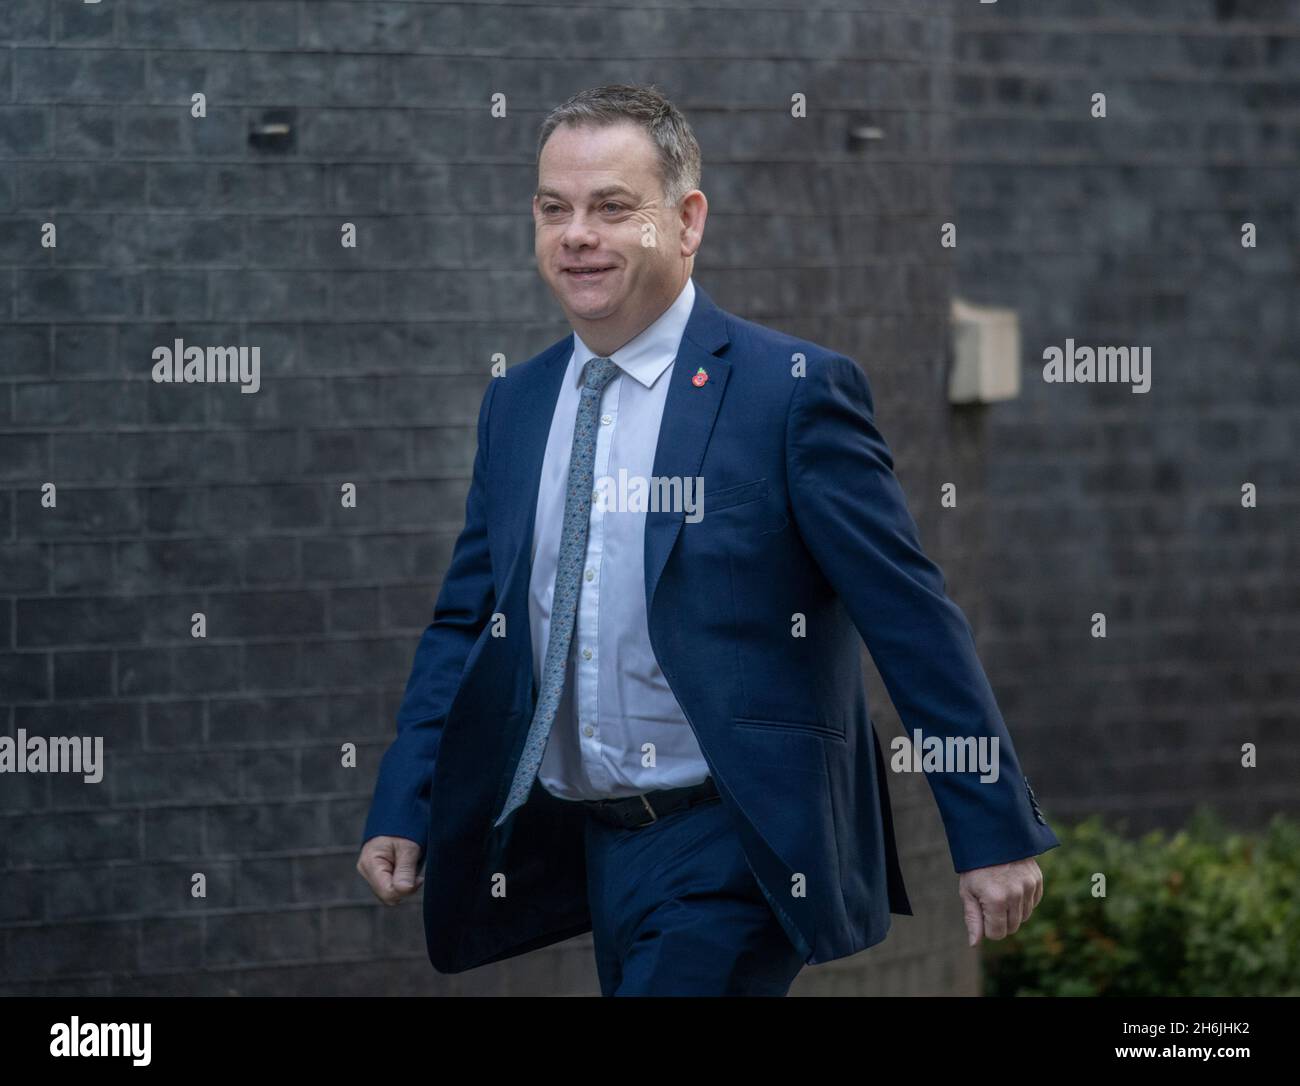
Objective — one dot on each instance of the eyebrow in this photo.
(599, 194)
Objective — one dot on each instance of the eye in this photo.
(617, 207)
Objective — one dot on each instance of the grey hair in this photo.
(679, 153)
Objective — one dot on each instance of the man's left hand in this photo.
(997, 900)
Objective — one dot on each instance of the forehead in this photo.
(581, 157)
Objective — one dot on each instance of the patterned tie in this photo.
(568, 572)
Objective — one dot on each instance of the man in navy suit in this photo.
(639, 708)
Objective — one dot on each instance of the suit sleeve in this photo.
(853, 518)
(400, 807)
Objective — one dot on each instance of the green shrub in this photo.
(1205, 912)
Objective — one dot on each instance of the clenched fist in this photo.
(390, 865)
(998, 899)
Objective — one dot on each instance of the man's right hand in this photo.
(390, 865)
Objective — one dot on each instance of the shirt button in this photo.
(606, 419)
(595, 495)
(588, 730)
(590, 574)
(586, 654)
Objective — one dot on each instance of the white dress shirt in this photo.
(622, 701)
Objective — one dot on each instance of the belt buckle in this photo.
(653, 817)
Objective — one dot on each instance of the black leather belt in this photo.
(634, 812)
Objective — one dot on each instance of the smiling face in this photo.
(600, 206)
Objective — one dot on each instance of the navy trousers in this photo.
(676, 910)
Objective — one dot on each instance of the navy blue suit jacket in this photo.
(802, 515)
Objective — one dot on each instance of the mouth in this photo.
(587, 274)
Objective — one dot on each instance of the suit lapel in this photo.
(687, 425)
(528, 453)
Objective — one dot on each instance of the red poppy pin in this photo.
(701, 375)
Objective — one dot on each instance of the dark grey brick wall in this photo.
(1127, 230)
(223, 754)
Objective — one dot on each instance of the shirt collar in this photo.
(649, 353)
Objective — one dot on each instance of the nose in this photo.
(578, 232)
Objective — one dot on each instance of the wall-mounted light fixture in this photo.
(860, 135)
(274, 131)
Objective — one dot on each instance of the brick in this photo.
(167, 944)
(23, 899)
(172, 131)
(354, 610)
(247, 937)
(24, 456)
(271, 453)
(83, 129)
(177, 295)
(354, 187)
(82, 457)
(79, 514)
(81, 569)
(272, 24)
(269, 561)
(71, 950)
(266, 719)
(179, 185)
(263, 884)
(54, 838)
(77, 75)
(267, 774)
(83, 22)
(83, 674)
(82, 240)
(345, 816)
(45, 621)
(181, 24)
(349, 931)
(246, 829)
(171, 725)
(171, 510)
(23, 21)
(273, 241)
(8, 187)
(265, 614)
(143, 672)
(332, 452)
(60, 294)
(180, 562)
(24, 351)
(205, 669)
(178, 404)
(24, 130)
(271, 666)
(84, 349)
(269, 294)
(330, 878)
(176, 76)
(189, 777)
(24, 676)
(268, 507)
(354, 662)
(24, 567)
(323, 773)
(172, 832)
(278, 186)
(309, 79)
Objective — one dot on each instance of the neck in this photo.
(608, 335)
